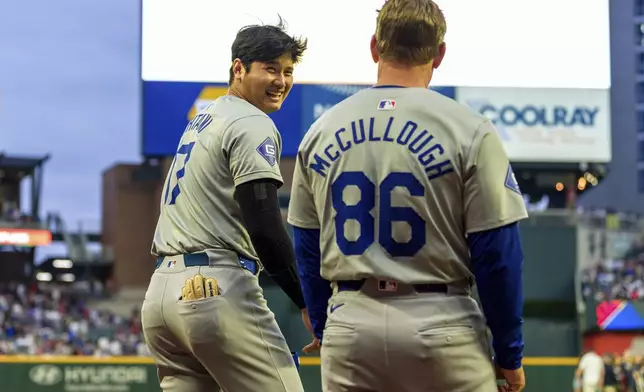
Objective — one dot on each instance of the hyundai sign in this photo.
(546, 124)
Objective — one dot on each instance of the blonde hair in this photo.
(410, 31)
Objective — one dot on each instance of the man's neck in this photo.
(391, 74)
(234, 92)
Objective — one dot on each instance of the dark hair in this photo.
(265, 43)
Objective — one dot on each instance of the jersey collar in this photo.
(388, 86)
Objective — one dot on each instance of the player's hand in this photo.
(199, 287)
(514, 379)
(312, 347)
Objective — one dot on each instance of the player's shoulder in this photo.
(232, 110)
(465, 126)
(462, 121)
(331, 116)
(430, 102)
(235, 117)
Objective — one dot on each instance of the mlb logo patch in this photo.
(387, 104)
(387, 285)
(172, 263)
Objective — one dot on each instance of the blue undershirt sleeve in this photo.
(316, 289)
(497, 261)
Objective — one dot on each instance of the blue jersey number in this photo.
(185, 150)
(361, 212)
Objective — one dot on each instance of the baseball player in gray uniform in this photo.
(204, 317)
(401, 198)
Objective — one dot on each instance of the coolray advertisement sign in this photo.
(169, 106)
(546, 124)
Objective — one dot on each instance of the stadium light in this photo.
(43, 276)
(581, 183)
(67, 278)
(63, 263)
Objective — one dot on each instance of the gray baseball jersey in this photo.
(394, 179)
(227, 144)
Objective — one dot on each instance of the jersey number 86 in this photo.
(361, 212)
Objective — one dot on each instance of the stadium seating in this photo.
(53, 319)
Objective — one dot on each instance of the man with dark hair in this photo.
(205, 318)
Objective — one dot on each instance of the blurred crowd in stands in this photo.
(49, 319)
(616, 279)
(9, 212)
(622, 373)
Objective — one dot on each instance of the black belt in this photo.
(356, 285)
(202, 260)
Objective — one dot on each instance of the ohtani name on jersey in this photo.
(199, 123)
(418, 141)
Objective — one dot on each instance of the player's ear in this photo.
(238, 68)
(442, 48)
(374, 49)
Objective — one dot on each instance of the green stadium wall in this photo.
(138, 374)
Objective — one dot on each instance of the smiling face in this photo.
(264, 84)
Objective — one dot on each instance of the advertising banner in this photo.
(90, 378)
(546, 124)
(95, 374)
(25, 237)
(620, 315)
(138, 374)
(168, 106)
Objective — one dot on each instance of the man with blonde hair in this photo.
(401, 197)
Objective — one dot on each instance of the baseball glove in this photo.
(199, 287)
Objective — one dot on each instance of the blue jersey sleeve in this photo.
(497, 261)
(316, 289)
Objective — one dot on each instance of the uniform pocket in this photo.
(446, 329)
(456, 335)
(196, 305)
(204, 320)
(339, 329)
(448, 353)
(338, 335)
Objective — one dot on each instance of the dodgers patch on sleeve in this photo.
(268, 151)
(511, 181)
